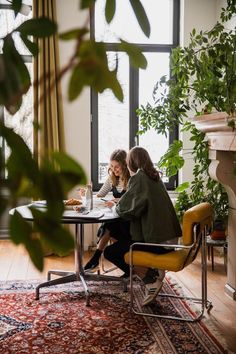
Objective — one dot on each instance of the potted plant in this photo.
(203, 80)
(202, 188)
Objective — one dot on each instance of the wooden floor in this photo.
(16, 265)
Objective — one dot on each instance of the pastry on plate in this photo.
(72, 201)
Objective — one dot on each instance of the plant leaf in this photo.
(77, 82)
(39, 27)
(73, 34)
(14, 78)
(52, 232)
(21, 156)
(70, 172)
(16, 6)
(32, 46)
(20, 229)
(182, 187)
(110, 10)
(84, 4)
(141, 16)
(68, 165)
(35, 250)
(22, 232)
(135, 54)
(93, 71)
(171, 160)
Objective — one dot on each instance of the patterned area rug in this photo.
(61, 323)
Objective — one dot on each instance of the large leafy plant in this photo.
(58, 173)
(203, 78)
(202, 188)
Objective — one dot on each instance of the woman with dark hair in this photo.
(116, 182)
(148, 207)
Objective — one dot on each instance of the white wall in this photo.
(76, 113)
(201, 15)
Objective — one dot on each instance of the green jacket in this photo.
(148, 206)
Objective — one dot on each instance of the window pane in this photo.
(160, 15)
(113, 117)
(158, 65)
(22, 121)
(9, 22)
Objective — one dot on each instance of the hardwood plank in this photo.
(7, 254)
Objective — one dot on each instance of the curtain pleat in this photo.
(48, 111)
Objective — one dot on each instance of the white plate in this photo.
(71, 207)
(93, 214)
(43, 204)
(39, 203)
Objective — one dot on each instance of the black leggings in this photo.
(115, 252)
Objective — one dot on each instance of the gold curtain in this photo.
(48, 112)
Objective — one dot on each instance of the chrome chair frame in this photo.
(205, 303)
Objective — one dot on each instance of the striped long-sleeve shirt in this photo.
(107, 187)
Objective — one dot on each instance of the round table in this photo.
(72, 217)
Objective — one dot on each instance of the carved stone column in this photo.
(221, 169)
(222, 152)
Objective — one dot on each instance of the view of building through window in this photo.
(115, 124)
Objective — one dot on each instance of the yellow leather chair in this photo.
(196, 221)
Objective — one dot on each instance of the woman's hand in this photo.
(110, 204)
(82, 192)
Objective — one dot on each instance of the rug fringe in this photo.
(207, 321)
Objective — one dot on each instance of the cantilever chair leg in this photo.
(205, 304)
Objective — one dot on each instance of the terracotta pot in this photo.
(218, 235)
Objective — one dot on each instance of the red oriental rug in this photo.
(61, 323)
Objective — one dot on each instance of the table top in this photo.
(71, 216)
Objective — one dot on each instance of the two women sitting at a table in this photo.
(148, 207)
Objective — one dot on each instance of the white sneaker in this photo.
(153, 282)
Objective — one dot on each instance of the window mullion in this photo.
(94, 138)
(133, 105)
(176, 22)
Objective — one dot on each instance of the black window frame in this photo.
(134, 94)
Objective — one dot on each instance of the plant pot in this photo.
(218, 235)
(219, 230)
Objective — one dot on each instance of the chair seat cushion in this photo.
(173, 261)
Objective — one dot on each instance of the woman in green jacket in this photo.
(148, 207)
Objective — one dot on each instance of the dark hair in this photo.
(137, 158)
(120, 157)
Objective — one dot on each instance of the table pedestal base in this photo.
(68, 277)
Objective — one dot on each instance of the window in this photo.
(22, 120)
(115, 124)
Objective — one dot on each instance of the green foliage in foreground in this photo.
(50, 182)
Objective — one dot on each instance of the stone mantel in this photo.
(222, 147)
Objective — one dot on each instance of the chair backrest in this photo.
(195, 220)
(200, 214)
